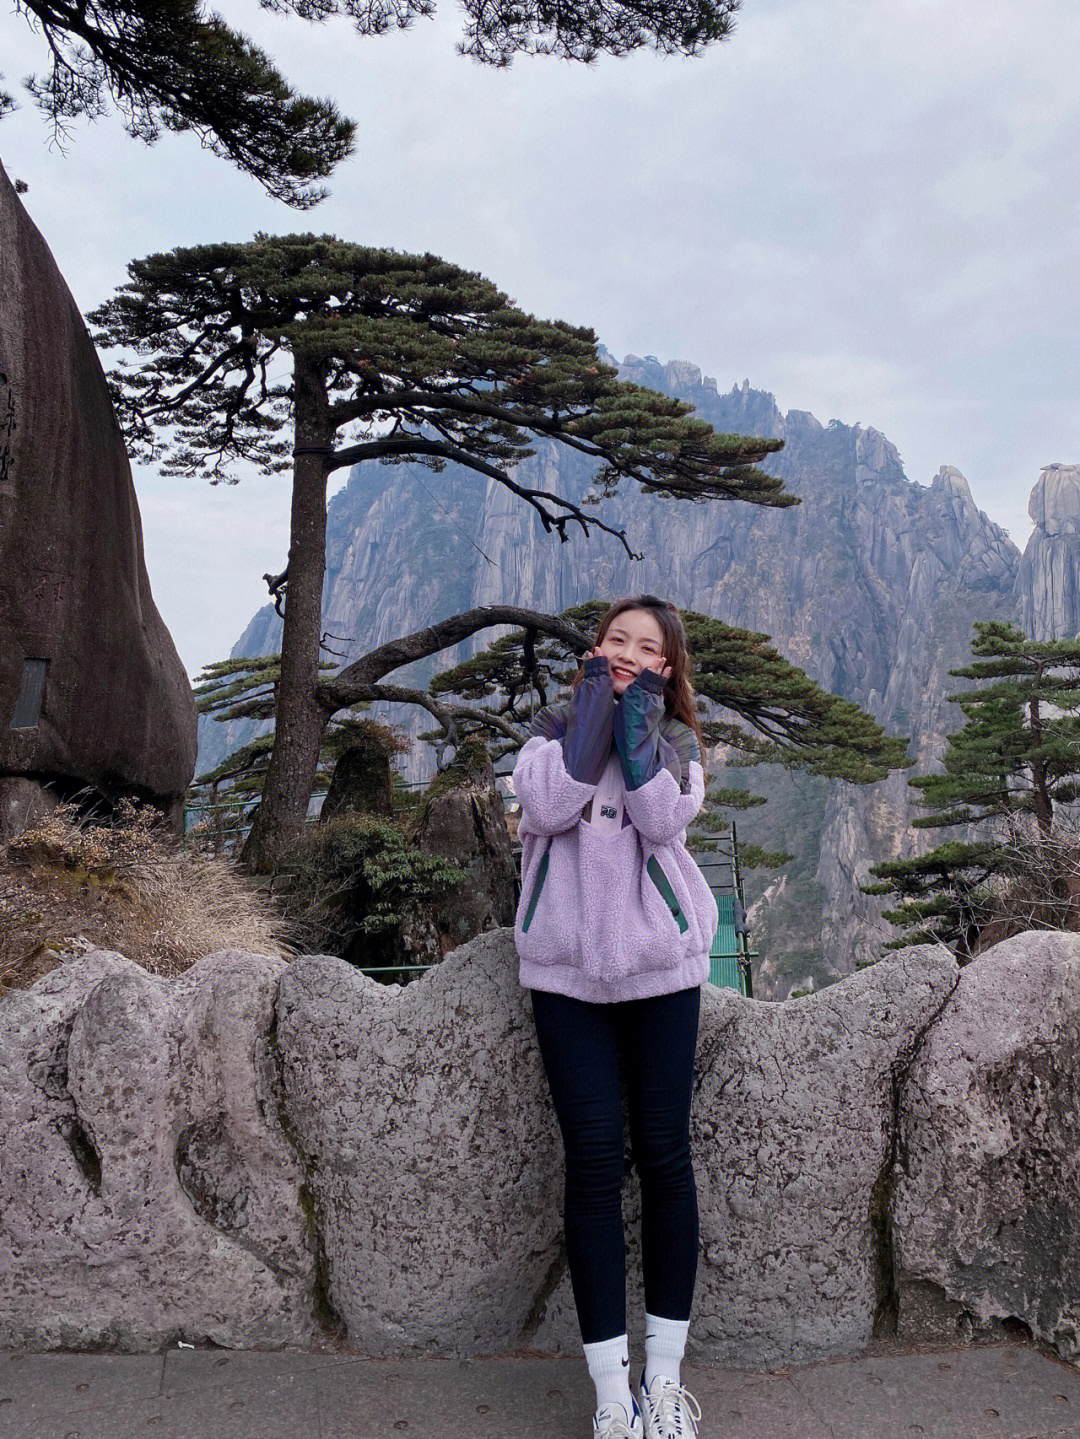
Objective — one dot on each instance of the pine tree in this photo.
(1019, 750)
(760, 707)
(1017, 755)
(778, 715)
(393, 357)
(173, 65)
(244, 689)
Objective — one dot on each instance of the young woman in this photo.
(613, 934)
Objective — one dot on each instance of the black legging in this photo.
(583, 1046)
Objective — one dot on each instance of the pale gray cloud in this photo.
(867, 206)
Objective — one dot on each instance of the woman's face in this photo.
(633, 642)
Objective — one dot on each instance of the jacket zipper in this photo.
(663, 884)
(541, 875)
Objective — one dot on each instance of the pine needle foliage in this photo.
(243, 689)
(755, 703)
(945, 896)
(175, 65)
(1019, 749)
(1016, 757)
(360, 888)
(414, 357)
(778, 715)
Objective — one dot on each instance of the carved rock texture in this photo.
(117, 711)
(432, 1147)
(254, 1149)
(147, 1190)
(986, 1211)
(437, 1168)
(794, 1117)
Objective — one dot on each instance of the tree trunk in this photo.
(299, 720)
(1044, 809)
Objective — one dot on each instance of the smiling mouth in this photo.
(623, 674)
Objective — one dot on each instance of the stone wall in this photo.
(261, 1153)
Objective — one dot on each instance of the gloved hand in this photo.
(643, 750)
(587, 742)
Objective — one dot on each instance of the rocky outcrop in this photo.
(1048, 584)
(424, 1117)
(92, 692)
(362, 781)
(464, 821)
(795, 1117)
(986, 1211)
(148, 1192)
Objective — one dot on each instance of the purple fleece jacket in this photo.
(608, 916)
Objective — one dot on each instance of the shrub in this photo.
(358, 887)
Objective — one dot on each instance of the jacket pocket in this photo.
(534, 898)
(698, 902)
(663, 884)
(547, 924)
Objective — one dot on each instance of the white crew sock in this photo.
(665, 1345)
(609, 1369)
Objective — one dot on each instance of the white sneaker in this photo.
(670, 1410)
(609, 1422)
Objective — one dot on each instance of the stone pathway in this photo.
(1006, 1390)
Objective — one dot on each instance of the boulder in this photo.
(794, 1121)
(362, 781)
(148, 1192)
(986, 1211)
(92, 692)
(22, 803)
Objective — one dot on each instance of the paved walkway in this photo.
(1004, 1390)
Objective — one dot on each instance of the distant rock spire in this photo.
(1048, 581)
(949, 480)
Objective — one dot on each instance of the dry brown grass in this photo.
(68, 884)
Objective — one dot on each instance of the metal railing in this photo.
(225, 806)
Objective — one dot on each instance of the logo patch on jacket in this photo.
(608, 811)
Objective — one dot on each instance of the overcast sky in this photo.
(868, 207)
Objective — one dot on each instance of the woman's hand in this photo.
(659, 664)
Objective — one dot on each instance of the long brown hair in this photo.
(678, 691)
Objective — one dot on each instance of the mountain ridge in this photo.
(871, 584)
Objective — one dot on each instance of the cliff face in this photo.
(871, 585)
(1048, 583)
